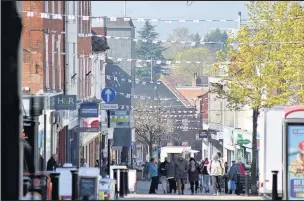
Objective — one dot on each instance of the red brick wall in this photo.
(33, 47)
(33, 43)
(84, 48)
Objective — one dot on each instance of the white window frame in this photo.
(59, 7)
(46, 6)
(53, 7)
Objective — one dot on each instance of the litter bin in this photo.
(107, 189)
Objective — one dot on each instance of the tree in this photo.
(216, 36)
(148, 50)
(150, 123)
(178, 35)
(262, 69)
(182, 73)
(197, 39)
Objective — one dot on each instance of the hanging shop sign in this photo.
(88, 109)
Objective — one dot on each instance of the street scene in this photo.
(152, 100)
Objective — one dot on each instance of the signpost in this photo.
(108, 95)
(241, 142)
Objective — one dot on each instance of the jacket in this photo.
(162, 169)
(153, 170)
(242, 170)
(193, 175)
(204, 168)
(233, 172)
(170, 169)
(216, 168)
(51, 164)
(181, 169)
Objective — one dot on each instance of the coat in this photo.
(170, 169)
(216, 167)
(233, 172)
(153, 170)
(162, 170)
(181, 169)
(194, 175)
(51, 164)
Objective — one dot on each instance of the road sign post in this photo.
(108, 95)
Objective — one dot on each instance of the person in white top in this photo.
(216, 170)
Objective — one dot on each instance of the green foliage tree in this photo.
(265, 67)
(148, 50)
(216, 36)
(178, 35)
(183, 72)
(197, 39)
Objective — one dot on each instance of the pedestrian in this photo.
(154, 176)
(171, 175)
(205, 175)
(193, 175)
(241, 165)
(233, 171)
(146, 171)
(216, 170)
(52, 163)
(181, 172)
(162, 170)
(226, 177)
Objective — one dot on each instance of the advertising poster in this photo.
(295, 161)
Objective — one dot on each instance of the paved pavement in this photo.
(142, 190)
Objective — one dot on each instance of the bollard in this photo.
(274, 193)
(247, 184)
(75, 184)
(126, 184)
(55, 185)
(238, 184)
(115, 176)
(121, 183)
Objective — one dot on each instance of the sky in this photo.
(198, 10)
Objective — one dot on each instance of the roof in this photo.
(119, 23)
(178, 95)
(98, 30)
(192, 93)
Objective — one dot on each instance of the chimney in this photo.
(196, 81)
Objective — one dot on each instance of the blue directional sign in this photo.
(158, 150)
(108, 95)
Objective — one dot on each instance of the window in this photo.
(46, 6)
(59, 7)
(53, 7)
(80, 18)
(74, 8)
(84, 14)
(74, 59)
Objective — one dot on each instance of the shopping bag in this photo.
(231, 185)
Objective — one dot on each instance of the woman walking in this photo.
(193, 175)
(154, 176)
(206, 176)
(171, 175)
(216, 170)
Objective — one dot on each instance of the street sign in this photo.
(158, 150)
(203, 134)
(241, 142)
(86, 130)
(109, 106)
(108, 95)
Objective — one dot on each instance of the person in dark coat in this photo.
(232, 173)
(28, 159)
(181, 171)
(162, 171)
(170, 166)
(193, 174)
(52, 164)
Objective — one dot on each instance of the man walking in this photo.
(181, 173)
(163, 175)
(170, 166)
(216, 170)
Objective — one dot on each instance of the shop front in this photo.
(229, 144)
(243, 140)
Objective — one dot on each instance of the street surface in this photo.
(142, 190)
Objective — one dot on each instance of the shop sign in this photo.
(63, 102)
(88, 109)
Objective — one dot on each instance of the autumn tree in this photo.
(151, 122)
(266, 65)
(147, 49)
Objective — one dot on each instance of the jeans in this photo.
(163, 180)
(216, 184)
(206, 182)
(192, 183)
(154, 184)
